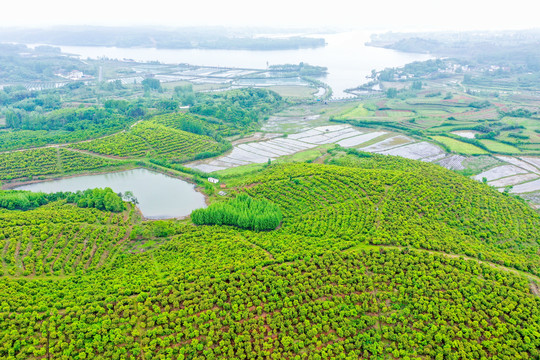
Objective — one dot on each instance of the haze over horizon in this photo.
(385, 15)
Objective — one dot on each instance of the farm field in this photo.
(262, 151)
(348, 230)
(120, 145)
(531, 160)
(174, 144)
(459, 146)
(294, 91)
(466, 134)
(492, 124)
(389, 143)
(512, 180)
(246, 154)
(526, 187)
(29, 164)
(500, 172)
(419, 151)
(453, 162)
(530, 164)
(53, 244)
(153, 139)
(358, 111)
(499, 147)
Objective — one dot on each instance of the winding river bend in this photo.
(346, 56)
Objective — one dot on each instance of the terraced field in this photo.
(459, 146)
(174, 144)
(47, 161)
(475, 115)
(260, 152)
(59, 240)
(28, 163)
(120, 145)
(154, 139)
(375, 141)
(499, 147)
(385, 198)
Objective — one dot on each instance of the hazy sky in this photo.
(375, 14)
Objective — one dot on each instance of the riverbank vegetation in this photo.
(101, 199)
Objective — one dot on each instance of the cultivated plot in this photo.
(532, 160)
(290, 123)
(261, 151)
(360, 139)
(519, 163)
(500, 172)
(389, 143)
(526, 187)
(522, 173)
(513, 180)
(452, 162)
(417, 151)
(469, 134)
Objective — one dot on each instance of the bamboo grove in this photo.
(243, 211)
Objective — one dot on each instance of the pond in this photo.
(160, 196)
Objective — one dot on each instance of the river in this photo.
(348, 60)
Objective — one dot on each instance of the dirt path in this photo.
(113, 248)
(258, 247)
(535, 288)
(4, 252)
(497, 266)
(86, 152)
(59, 161)
(62, 252)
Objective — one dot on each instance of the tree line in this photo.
(101, 199)
(243, 212)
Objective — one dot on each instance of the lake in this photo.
(348, 60)
(160, 196)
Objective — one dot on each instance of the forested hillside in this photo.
(375, 257)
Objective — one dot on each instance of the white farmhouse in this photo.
(75, 75)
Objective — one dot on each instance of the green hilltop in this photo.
(375, 257)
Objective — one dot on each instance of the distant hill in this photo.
(179, 38)
(494, 47)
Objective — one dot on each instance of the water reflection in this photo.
(160, 196)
